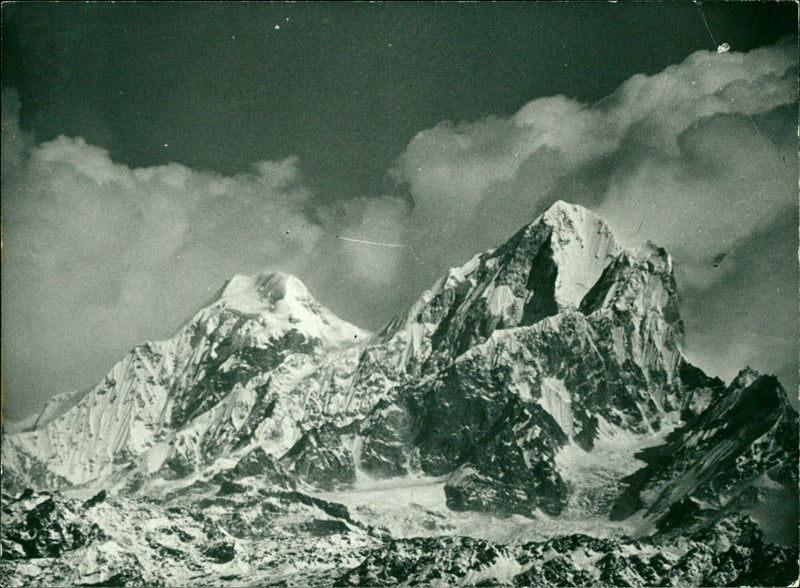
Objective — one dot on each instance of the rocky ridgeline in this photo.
(529, 381)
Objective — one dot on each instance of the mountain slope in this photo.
(541, 381)
(164, 399)
(742, 450)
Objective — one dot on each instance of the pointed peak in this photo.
(750, 379)
(564, 206)
(765, 392)
(562, 212)
(656, 258)
(761, 390)
(581, 245)
(571, 222)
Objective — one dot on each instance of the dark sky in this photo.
(152, 150)
(342, 86)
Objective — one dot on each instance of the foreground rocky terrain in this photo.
(531, 420)
(247, 536)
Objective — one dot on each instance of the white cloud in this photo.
(647, 137)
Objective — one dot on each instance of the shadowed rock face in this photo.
(514, 399)
(512, 380)
(320, 459)
(546, 268)
(543, 342)
(525, 349)
(743, 444)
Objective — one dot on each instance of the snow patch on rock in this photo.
(555, 399)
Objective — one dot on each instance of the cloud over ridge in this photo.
(697, 158)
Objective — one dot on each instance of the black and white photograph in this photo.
(315, 294)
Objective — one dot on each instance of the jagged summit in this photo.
(638, 280)
(740, 453)
(546, 268)
(744, 378)
(561, 209)
(567, 215)
(255, 325)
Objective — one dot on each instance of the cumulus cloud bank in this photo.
(698, 138)
(700, 158)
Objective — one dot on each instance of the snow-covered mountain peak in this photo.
(279, 303)
(565, 212)
(657, 258)
(254, 294)
(548, 267)
(533, 380)
(581, 245)
(569, 221)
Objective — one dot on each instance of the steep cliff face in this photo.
(556, 339)
(545, 269)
